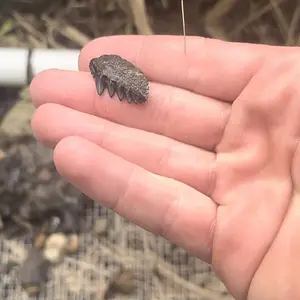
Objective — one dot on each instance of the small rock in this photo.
(56, 240)
(100, 226)
(55, 247)
(54, 255)
(73, 244)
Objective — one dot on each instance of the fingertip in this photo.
(40, 85)
(35, 85)
(39, 124)
(63, 87)
(64, 153)
(72, 156)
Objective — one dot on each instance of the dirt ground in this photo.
(108, 244)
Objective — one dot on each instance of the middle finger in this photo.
(158, 154)
(172, 112)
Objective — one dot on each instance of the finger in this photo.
(51, 123)
(214, 68)
(172, 112)
(161, 205)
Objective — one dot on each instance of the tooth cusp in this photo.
(100, 84)
(111, 87)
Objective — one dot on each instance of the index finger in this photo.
(213, 68)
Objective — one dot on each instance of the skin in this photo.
(210, 161)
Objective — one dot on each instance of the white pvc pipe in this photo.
(13, 66)
(42, 59)
(16, 62)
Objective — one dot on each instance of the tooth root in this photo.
(128, 96)
(120, 93)
(111, 87)
(100, 84)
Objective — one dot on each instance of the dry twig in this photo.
(291, 38)
(255, 16)
(140, 16)
(280, 18)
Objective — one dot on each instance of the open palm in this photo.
(209, 162)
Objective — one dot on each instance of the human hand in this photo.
(209, 162)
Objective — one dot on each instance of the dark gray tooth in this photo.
(120, 92)
(134, 97)
(100, 84)
(111, 87)
(128, 97)
(142, 99)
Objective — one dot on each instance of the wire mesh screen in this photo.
(115, 259)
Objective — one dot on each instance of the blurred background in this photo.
(45, 253)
